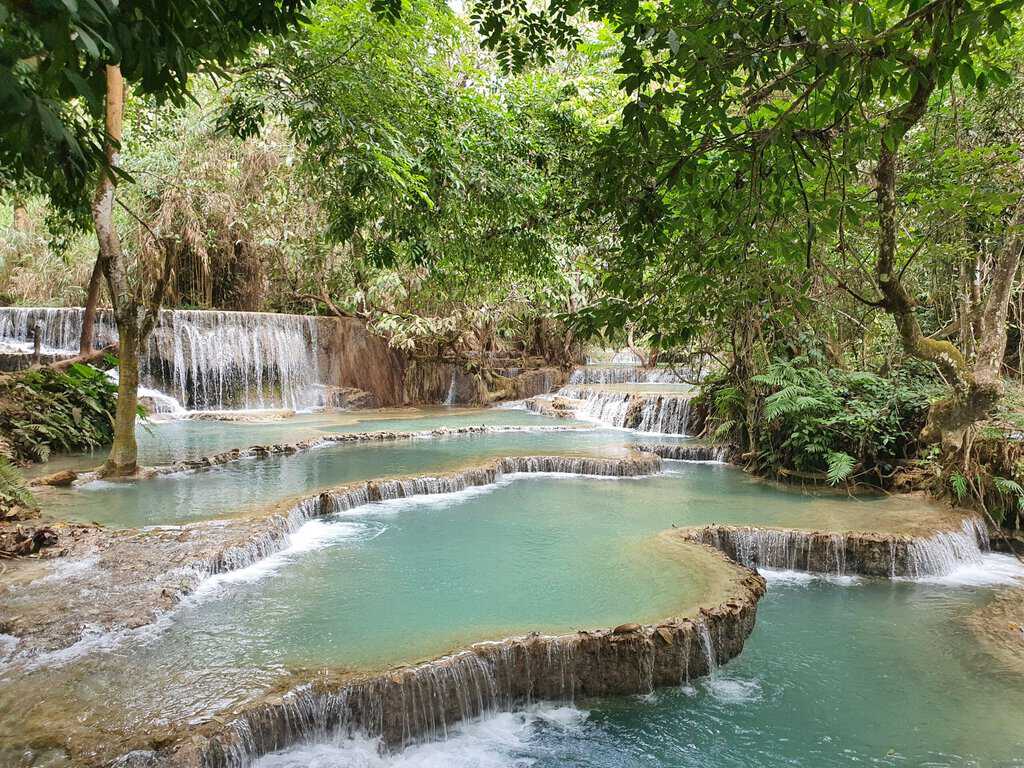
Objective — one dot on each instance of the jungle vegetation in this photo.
(823, 203)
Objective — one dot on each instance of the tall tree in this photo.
(64, 68)
(737, 108)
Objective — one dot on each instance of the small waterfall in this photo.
(644, 412)
(622, 374)
(686, 452)
(61, 328)
(707, 647)
(946, 551)
(841, 554)
(205, 360)
(664, 415)
(450, 399)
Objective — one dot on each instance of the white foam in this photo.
(993, 570)
(787, 576)
(63, 569)
(311, 536)
(496, 741)
(733, 690)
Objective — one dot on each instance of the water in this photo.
(660, 409)
(688, 494)
(837, 672)
(391, 582)
(205, 360)
(168, 441)
(876, 673)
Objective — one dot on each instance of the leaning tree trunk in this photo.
(976, 389)
(92, 299)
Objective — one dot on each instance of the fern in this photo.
(1009, 487)
(959, 484)
(13, 492)
(840, 465)
(723, 430)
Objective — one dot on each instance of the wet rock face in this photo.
(420, 702)
(348, 355)
(349, 398)
(841, 554)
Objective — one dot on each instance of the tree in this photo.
(63, 70)
(739, 112)
(451, 195)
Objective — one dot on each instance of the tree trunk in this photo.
(950, 417)
(92, 298)
(124, 452)
(123, 459)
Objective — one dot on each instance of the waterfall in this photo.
(686, 451)
(622, 374)
(420, 703)
(944, 552)
(642, 411)
(205, 360)
(708, 648)
(665, 415)
(61, 328)
(450, 399)
(841, 554)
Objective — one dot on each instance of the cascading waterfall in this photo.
(686, 451)
(642, 411)
(420, 703)
(61, 328)
(841, 554)
(205, 360)
(664, 414)
(946, 551)
(622, 374)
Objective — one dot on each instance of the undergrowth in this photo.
(823, 422)
(45, 410)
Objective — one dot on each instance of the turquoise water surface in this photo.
(871, 673)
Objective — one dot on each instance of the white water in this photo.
(494, 741)
(622, 374)
(450, 399)
(197, 360)
(648, 412)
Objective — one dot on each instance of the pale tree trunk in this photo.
(92, 298)
(135, 318)
(124, 452)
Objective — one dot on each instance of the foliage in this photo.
(844, 423)
(450, 196)
(42, 410)
(52, 81)
(14, 494)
